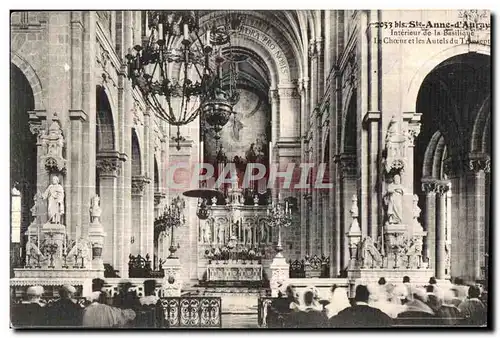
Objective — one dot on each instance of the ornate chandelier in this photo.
(169, 50)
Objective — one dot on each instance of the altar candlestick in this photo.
(186, 32)
(160, 31)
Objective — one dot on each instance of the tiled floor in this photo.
(237, 321)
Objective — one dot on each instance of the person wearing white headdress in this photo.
(338, 302)
(98, 314)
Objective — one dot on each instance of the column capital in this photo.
(288, 93)
(77, 115)
(138, 184)
(412, 132)
(372, 116)
(429, 186)
(477, 162)
(442, 187)
(274, 95)
(347, 164)
(312, 51)
(108, 163)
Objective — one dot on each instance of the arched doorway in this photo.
(23, 156)
(451, 164)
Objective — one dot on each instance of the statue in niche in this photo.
(95, 209)
(394, 201)
(395, 146)
(54, 140)
(220, 235)
(55, 196)
(207, 233)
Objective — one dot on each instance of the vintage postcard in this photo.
(250, 168)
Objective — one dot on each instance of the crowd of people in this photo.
(379, 305)
(124, 310)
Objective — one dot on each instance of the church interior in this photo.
(125, 125)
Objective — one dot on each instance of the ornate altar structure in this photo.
(236, 240)
(398, 249)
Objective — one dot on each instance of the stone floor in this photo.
(238, 321)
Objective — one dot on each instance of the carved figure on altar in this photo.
(95, 209)
(207, 233)
(54, 194)
(248, 235)
(417, 227)
(394, 201)
(220, 234)
(370, 255)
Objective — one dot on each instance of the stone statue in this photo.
(95, 209)
(417, 227)
(55, 196)
(207, 233)
(370, 255)
(220, 236)
(395, 143)
(394, 201)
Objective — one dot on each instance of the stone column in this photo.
(304, 125)
(78, 206)
(148, 188)
(429, 188)
(372, 122)
(479, 164)
(88, 159)
(441, 189)
(411, 129)
(137, 235)
(275, 119)
(126, 123)
(289, 116)
(108, 168)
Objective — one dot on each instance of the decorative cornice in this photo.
(77, 114)
(434, 186)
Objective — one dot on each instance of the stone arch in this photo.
(156, 179)
(105, 127)
(136, 154)
(428, 165)
(349, 122)
(410, 98)
(266, 28)
(32, 77)
(481, 127)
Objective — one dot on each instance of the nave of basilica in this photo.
(112, 110)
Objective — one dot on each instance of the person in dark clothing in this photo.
(65, 312)
(307, 317)
(280, 308)
(473, 309)
(361, 314)
(31, 312)
(126, 298)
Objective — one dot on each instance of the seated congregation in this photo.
(125, 310)
(381, 305)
